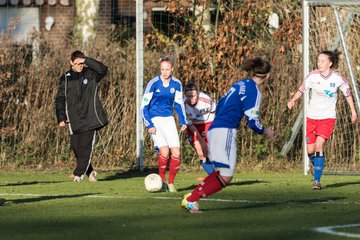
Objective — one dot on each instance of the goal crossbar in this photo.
(331, 2)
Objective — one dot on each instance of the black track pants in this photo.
(82, 145)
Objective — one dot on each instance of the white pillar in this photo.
(139, 83)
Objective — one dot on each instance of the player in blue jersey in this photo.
(162, 94)
(242, 99)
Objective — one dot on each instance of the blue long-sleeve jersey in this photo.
(158, 101)
(243, 98)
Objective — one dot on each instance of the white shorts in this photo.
(222, 149)
(166, 132)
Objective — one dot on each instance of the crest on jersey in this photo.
(85, 81)
(172, 90)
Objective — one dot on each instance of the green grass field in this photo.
(255, 206)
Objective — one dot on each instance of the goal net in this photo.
(330, 25)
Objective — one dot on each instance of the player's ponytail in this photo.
(333, 57)
(256, 66)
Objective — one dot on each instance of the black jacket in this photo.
(77, 101)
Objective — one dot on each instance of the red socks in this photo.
(211, 184)
(173, 168)
(162, 164)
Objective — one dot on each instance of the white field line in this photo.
(328, 230)
(179, 198)
(331, 230)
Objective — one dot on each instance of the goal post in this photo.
(330, 25)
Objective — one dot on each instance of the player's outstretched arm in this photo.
(350, 102)
(292, 101)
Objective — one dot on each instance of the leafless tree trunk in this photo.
(85, 21)
(202, 14)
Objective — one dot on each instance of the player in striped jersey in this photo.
(161, 94)
(320, 120)
(242, 99)
(200, 113)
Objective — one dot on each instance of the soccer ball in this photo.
(153, 182)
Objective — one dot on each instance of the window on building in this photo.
(26, 18)
(22, 21)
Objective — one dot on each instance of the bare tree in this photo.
(202, 14)
(85, 21)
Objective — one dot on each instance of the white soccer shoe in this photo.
(92, 176)
(77, 179)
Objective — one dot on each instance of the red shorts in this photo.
(319, 127)
(202, 129)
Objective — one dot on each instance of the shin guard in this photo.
(162, 164)
(319, 161)
(311, 158)
(173, 168)
(211, 184)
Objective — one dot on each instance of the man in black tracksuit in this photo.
(78, 105)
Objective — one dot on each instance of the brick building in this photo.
(56, 17)
(53, 17)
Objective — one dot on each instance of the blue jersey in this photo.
(158, 101)
(243, 98)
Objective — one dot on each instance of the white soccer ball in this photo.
(153, 182)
